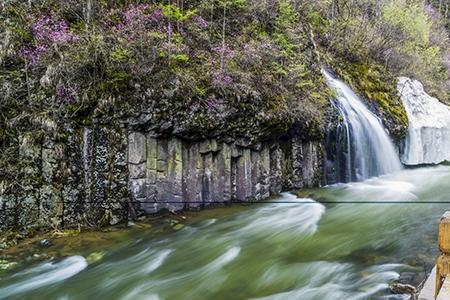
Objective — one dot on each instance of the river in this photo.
(292, 248)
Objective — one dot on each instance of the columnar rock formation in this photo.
(79, 177)
(173, 174)
(105, 174)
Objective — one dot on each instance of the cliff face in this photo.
(105, 174)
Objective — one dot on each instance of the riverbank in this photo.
(18, 249)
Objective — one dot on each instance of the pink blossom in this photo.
(67, 93)
(137, 19)
(430, 9)
(157, 16)
(221, 80)
(224, 50)
(202, 23)
(34, 54)
(55, 31)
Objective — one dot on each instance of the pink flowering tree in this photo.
(47, 32)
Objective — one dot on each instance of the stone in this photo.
(152, 158)
(174, 175)
(7, 265)
(95, 257)
(178, 226)
(265, 172)
(192, 175)
(105, 174)
(235, 151)
(207, 187)
(161, 175)
(400, 288)
(276, 156)
(45, 243)
(137, 170)
(244, 176)
(205, 147)
(137, 148)
(114, 220)
(138, 188)
(256, 175)
(221, 175)
(100, 172)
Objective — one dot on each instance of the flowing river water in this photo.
(292, 248)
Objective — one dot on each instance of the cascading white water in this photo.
(369, 150)
(428, 140)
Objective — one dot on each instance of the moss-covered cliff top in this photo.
(194, 68)
(230, 68)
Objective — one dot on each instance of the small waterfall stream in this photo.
(362, 148)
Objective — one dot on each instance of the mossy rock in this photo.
(7, 265)
(95, 257)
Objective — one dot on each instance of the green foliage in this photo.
(407, 37)
(233, 3)
(120, 55)
(287, 16)
(411, 19)
(182, 58)
(175, 13)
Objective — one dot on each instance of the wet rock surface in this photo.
(45, 243)
(180, 174)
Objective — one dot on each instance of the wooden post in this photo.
(443, 262)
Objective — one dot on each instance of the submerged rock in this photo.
(45, 243)
(399, 288)
(95, 257)
(178, 227)
(7, 265)
(428, 140)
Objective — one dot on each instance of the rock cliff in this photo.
(105, 174)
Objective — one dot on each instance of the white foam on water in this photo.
(277, 218)
(156, 262)
(223, 260)
(50, 274)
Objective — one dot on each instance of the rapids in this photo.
(290, 248)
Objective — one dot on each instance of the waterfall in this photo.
(360, 146)
(428, 140)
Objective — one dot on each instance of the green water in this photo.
(266, 251)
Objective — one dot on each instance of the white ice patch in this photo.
(428, 140)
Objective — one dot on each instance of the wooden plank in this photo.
(427, 292)
(444, 293)
(444, 233)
